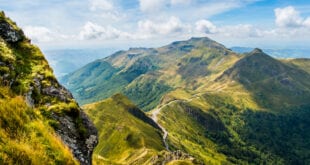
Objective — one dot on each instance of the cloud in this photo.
(177, 2)
(205, 26)
(233, 31)
(289, 17)
(104, 5)
(92, 31)
(172, 26)
(151, 5)
(241, 30)
(41, 34)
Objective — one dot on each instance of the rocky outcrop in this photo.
(82, 145)
(172, 156)
(76, 131)
(9, 34)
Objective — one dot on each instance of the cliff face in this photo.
(25, 71)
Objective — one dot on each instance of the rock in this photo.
(59, 92)
(174, 155)
(9, 34)
(82, 146)
(29, 100)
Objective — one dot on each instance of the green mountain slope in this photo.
(273, 84)
(40, 120)
(213, 128)
(128, 135)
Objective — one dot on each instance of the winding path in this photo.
(154, 116)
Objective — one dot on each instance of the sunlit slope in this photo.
(126, 134)
(214, 129)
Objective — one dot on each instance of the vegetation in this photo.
(127, 138)
(26, 138)
(216, 131)
(157, 71)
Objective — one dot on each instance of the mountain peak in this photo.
(200, 39)
(256, 51)
(9, 30)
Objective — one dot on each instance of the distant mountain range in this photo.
(213, 105)
(64, 61)
(279, 53)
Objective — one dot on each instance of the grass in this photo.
(127, 138)
(217, 128)
(26, 138)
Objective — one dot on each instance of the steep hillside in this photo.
(37, 113)
(130, 137)
(273, 84)
(212, 128)
(158, 71)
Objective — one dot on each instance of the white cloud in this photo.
(205, 26)
(41, 34)
(289, 17)
(307, 22)
(169, 27)
(232, 31)
(92, 31)
(177, 2)
(151, 5)
(241, 30)
(104, 5)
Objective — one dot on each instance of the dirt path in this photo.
(154, 116)
(155, 112)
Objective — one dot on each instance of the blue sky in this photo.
(134, 23)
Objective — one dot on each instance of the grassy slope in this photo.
(26, 137)
(273, 84)
(125, 139)
(214, 129)
(275, 131)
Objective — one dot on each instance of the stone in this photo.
(9, 34)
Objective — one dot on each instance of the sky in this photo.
(58, 24)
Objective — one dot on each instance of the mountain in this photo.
(146, 69)
(65, 61)
(215, 105)
(279, 53)
(40, 122)
(273, 84)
